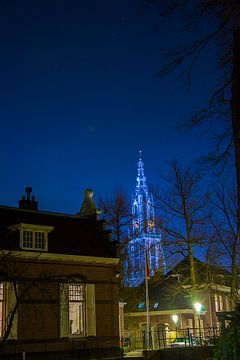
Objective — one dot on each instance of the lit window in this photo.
(155, 305)
(7, 303)
(216, 302)
(76, 309)
(1, 309)
(218, 299)
(220, 303)
(141, 305)
(150, 225)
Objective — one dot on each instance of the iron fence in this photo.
(158, 339)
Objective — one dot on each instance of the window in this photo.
(228, 304)
(150, 225)
(1, 309)
(220, 303)
(216, 302)
(7, 303)
(33, 237)
(77, 309)
(40, 240)
(155, 305)
(218, 299)
(35, 240)
(27, 239)
(190, 325)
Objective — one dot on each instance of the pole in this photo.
(147, 277)
(199, 325)
(147, 314)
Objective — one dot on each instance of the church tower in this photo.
(143, 236)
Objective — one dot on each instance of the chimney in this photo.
(28, 203)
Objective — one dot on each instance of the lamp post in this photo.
(175, 320)
(198, 307)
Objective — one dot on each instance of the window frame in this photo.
(2, 307)
(83, 309)
(90, 310)
(34, 230)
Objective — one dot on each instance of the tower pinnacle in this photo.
(143, 236)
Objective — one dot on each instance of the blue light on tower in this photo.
(143, 235)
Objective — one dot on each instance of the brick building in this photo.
(171, 296)
(58, 284)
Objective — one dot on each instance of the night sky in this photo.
(79, 98)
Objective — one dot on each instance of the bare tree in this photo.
(117, 215)
(224, 222)
(220, 116)
(184, 215)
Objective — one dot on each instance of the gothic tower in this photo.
(143, 236)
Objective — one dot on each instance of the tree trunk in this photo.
(192, 273)
(235, 109)
(234, 277)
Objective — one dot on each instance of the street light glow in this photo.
(198, 307)
(175, 318)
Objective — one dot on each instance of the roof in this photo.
(71, 234)
(172, 290)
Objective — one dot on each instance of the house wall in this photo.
(162, 325)
(38, 315)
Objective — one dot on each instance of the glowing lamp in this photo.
(198, 307)
(175, 319)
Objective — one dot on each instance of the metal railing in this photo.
(159, 339)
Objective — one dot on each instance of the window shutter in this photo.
(64, 322)
(10, 303)
(91, 315)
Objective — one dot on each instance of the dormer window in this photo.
(33, 237)
(155, 305)
(36, 240)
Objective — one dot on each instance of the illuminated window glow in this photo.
(141, 305)
(1, 308)
(76, 305)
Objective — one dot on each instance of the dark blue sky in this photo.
(79, 98)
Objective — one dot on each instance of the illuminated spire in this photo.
(143, 237)
(142, 205)
(141, 179)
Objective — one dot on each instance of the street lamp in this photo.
(198, 307)
(175, 320)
